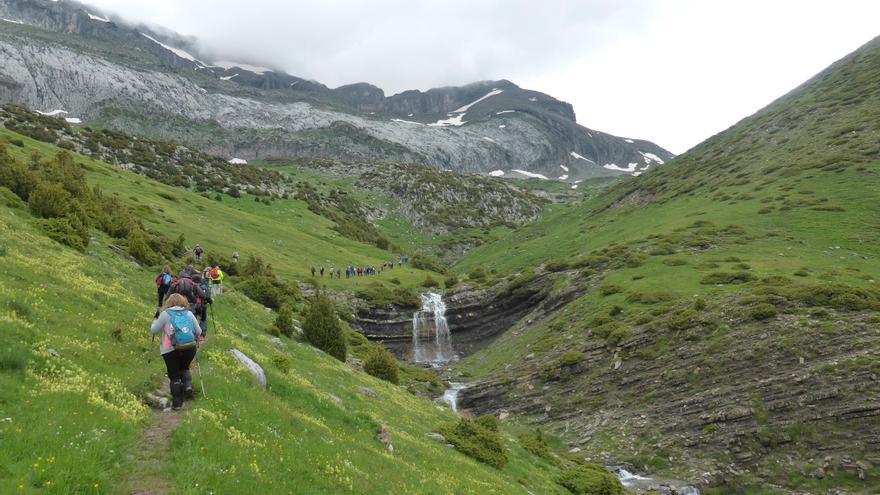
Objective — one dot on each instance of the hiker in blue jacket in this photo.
(178, 343)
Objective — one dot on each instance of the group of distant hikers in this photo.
(358, 271)
(182, 319)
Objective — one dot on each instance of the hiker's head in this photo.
(175, 300)
(166, 269)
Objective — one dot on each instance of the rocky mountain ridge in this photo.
(62, 56)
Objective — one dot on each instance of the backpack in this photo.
(215, 273)
(179, 331)
(164, 280)
(186, 288)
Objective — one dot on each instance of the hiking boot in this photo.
(176, 394)
(187, 385)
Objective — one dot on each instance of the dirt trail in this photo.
(148, 462)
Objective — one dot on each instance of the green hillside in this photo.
(76, 362)
(727, 300)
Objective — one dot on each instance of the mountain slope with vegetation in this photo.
(714, 319)
(77, 365)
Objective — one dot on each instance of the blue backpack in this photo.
(182, 334)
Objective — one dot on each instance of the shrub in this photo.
(557, 266)
(727, 278)
(803, 272)
(699, 304)
(20, 310)
(60, 230)
(682, 320)
(381, 364)
(662, 250)
(450, 281)
(474, 439)
(477, 274)
(571, 358)
(430, 282)
(423, 262)
(281, 362)
(139, 248)
(590, 479)
(382, 243)
(284, 320)
(649, 297)
(535, 444)
(609, 289)
(762, 312)
(322, 328)
(49, 200)
(10, 199)
(838, 297)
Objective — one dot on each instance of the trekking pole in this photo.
(214, 318)
(199, 371)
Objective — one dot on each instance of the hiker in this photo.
(216, 275)
(188, 285)
(198, 252)
(235, 257)
(313, 271)
(203, 298)
(332, 271)
(177, 345)
(322, 272)
(339, 273)
(163, 283)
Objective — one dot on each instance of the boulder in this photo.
(436, 436)
(254, 368)
(367, 391)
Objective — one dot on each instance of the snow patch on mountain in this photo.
(563, 177)
(226, 78)
(12, 21)
(177, 51)
(580, 157)
(649, 157)
(629, 141)
(563, 167)
(406, 121)
(629, 168)
(496, 173)
(489, 139)
(505, 111)
(73, 120)
(225, 64)
(495, 91)
(97, 18)
(531, 174)
(238, 161)
(502, 126)
(452, 121)
(52, 113)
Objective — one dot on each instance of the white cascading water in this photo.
(431, 340)
(450, 396)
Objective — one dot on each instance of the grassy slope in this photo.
(286, 234)
(800, 179)
(74, 421)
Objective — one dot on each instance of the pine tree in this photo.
(322, 328)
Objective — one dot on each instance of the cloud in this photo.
(672, 71)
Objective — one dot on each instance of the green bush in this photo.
(682, 320)
(422, 262)
(474, 439)
(284, 320)
(268, 290)
(61, 230)
(762, 311)
(9, 199)
(675, 262)
(609, 289)
(381, 364)
(382, 243)
(322, 328)
(450, 281)
(699, 304)
(282, 362)
(727, 278)
(49, 200)
(477, 274)
(838, 296)
(571, 358)
(534, 443)
(140, 249)
(13, 359)
(430, 282)
(590, 479)
(557, 266)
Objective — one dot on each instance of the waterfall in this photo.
(431, 340)
(450, 396)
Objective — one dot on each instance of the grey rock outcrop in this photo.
(249, 364)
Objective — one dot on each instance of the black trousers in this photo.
(177, 363)
(161, 291)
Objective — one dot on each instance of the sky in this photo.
(673, 72)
